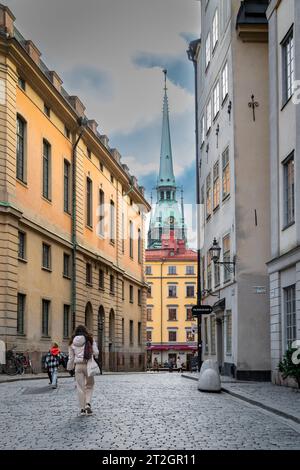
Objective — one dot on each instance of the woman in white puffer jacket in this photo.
(85, 384)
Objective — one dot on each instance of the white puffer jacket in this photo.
(76, 352)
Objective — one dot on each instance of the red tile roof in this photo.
(164, 254)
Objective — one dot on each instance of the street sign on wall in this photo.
(198, 310)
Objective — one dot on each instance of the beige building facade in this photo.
(71, 218)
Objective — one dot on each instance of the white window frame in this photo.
(207, 50)
(215, 30)
(225, 87)
(216, 99)
(208, 117)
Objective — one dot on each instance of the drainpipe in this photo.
(161, 308)
(191, 52)
(82, 126)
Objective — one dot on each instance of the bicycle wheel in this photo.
(11, 367)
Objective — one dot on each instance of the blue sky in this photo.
(111, 54)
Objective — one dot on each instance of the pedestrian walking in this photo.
(82, 348)
(179, 364)
(155, 365)
(2, 355)
(52, 362)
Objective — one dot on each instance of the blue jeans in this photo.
(54, 378)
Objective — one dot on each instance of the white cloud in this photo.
(107, 34)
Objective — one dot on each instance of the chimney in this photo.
(93, 125)
(56, 80)
(134, 181)
(142, 190)
(104, 139)
(116, 155)
(6, 20)
(125, 168)
(77, 105)
(33, 51)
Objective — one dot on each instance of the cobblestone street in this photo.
(136, 411)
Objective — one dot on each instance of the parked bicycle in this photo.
(13, 364)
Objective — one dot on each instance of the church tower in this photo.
(167, 219)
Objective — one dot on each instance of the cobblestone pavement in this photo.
(283, 399)
(136, 411)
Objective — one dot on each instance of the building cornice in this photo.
(273, 5)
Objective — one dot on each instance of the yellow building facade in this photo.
(171, 329)
(71, 218)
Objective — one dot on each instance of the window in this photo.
(207, 51)
(47, 110)
(226, 256)
(21, 139)
(202, 130)
(288, 66)
(149, 336)
(228, 332)
(149, 293)
(66, 267)
(172, 314)
(190, 336)
(172, 270)
(208, 195)
(289, 190)
(131, 332)
(224, 82)
(215, 30)
(203, 272)
(206, 335)
(123, 331)
(172, 291)
(131, 239)
(189, 315)
(208, 117)
(112, 179)
(139, 246)
(149, 314)
(22, 83)
(21, 314)
(112, 284)
(139, 297)
(67, 132)
(89, 202)
(46, 256)
(101, 279)
(89, 153)
(101, 212)
(172, 336)
(216, 186)
(212, 335)
(123, 290)
(225, 173)
(112, 221)
(202, 197)
(162, 195)
(66, 328)
(139, 333)
(123, 232)
(131, 294)
(46, 170)
(101, 166)
(216, 99)
(209, 276)
(67, 186)
(89, 274)
(148, 270)
(190, 291)
(190, 270)
(290, 315)
(45, 317)
(22, 246)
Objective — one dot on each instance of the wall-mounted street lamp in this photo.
(215, 251)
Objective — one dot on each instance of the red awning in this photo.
(174, 347)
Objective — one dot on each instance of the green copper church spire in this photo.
(166, 174)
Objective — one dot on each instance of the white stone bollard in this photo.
(209, 378)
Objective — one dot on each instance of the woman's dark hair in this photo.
(82, 330)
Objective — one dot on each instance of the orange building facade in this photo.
(71, 218)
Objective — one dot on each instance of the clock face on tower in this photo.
(171, 220)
